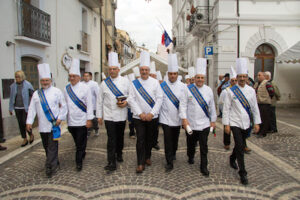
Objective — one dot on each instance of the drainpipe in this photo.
(100, 43)
(238, 27)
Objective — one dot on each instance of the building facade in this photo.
(227, 29)
(41, 31)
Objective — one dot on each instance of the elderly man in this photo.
(145, 99)
(112, 107)
(169, 112)
(50, 106)
(198, 113)
(275, 98)
(94, 87)
(239, 107)
(80, 106)
(264, 93)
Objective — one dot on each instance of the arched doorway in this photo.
(29, 66)
(264, 61)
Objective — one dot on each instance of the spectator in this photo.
(20, 95)
(264, 93)
(276, 97)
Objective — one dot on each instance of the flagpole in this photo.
(160, 23)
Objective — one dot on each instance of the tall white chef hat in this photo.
(232, 72)
(75, 67)
(187, 77)
(145, 59)
(152, 68)
(136, 71)
(113, 60)
(241, 66)
(201, 66)
(158, 75)
(191, 72)
(172, 63)
(44, 70)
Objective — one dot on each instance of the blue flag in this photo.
(167, 39)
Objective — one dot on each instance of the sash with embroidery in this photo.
(113, 88)
(170, 94)
(75, 99)
(143, 93)
(242, 99)
(201, 101)
(49, 115)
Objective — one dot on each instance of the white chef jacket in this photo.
(107, 102)
(234, 114)
(57, 104)
(138, 104)
(190, 109)
(169, 114)
(94, 87)
(76, 117)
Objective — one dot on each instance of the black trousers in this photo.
(79, 134)
(155, 135)
(265, 111)
(51, 149)
(171, 134)
(192, 140)
(273, 123)
(226, 137)
(144, 132)
(239, 136)
(21, 115)
(115, 139)
(95, 124)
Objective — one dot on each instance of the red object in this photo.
(163, 39)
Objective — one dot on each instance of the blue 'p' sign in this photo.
(208, 50)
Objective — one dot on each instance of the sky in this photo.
(140, 19)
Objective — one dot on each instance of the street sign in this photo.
(208, 51)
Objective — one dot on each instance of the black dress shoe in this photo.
(156, 147)
(79, 167)
(191, 161)
(2, 140)
(120, 158)
(2, 148)
(232, 163)
(205, 172)
(24, 144)
(110, 167)
(261, 135)
(244, 180)
(169, 167)
(107, 166)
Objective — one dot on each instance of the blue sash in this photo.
(170, 94)
(75, 99)
(201, 101)
(113, 88)
(242, 99)
(143, 93)
(49, 115)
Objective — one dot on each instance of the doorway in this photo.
(29, 66)
(265, 58)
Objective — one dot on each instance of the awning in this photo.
(291, 55)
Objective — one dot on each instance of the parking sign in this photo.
(208, 51)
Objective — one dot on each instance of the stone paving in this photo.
(273, 172)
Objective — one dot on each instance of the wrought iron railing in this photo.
(203, 16)
(34, 23)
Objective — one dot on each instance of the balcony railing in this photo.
(85, 41)
(34, 23)
(179, 43)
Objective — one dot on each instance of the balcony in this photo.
(200, 21)
(85, 42)
(179, 43)
(92, 3)
(34, 23)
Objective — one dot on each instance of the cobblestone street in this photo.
(273, 171)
